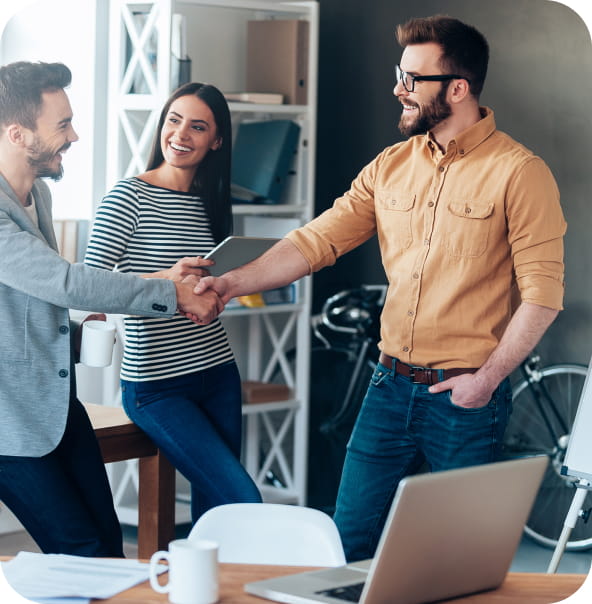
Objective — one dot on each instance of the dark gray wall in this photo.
(539, 85)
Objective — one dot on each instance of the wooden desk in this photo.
(518, 588)
(120, 439)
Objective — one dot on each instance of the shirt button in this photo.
(410, 313)
(63, 373)
(430, 204)
(405, 349)
(64, 329)
(441, 168)
(416, 275)
(467, 210)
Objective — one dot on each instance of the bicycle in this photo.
(545, 401)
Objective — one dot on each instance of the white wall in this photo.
(66, 31)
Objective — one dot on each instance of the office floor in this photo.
(530, 556)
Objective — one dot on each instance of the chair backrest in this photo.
(268, 533)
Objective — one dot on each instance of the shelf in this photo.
(139, 59)
(249, 408)
(238, 311)
(245, 209)
(296, 8)
(278, 495)
(237, 107)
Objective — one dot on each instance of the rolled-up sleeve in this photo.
(536, 227)
(347, 224)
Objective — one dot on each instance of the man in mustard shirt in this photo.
(471, 238)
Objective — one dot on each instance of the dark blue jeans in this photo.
(196, 420)
(400, 427)
(63, 499)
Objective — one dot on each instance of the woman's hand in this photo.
(185, 267)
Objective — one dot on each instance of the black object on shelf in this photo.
(261, 158)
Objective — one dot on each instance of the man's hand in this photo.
(467, 390)
(278, 266)
(522, 334)
(200, 309)
(219, 285)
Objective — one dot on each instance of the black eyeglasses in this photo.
(409, 80)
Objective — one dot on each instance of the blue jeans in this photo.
(63, 499)
(196, 420)
(400, 427)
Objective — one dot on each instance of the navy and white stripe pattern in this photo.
(141, 228)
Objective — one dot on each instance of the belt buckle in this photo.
(413, 370)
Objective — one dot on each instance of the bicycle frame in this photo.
(533, 376)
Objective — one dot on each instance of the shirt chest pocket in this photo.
(467, 226)
(395, 211)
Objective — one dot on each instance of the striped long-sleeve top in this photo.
(142, 228)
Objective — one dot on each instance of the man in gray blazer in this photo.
(51, 472)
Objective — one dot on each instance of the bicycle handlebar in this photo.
(359, 318)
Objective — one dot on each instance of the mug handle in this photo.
(154, 560)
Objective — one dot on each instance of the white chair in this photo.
(268, 533)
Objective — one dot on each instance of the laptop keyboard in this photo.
(349, 593)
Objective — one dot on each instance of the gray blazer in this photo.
(37, 287)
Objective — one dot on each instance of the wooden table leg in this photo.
(156, 504)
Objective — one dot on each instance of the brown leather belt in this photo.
(422, 375)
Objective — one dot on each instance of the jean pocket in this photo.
(379, 374)
(487, 407)
(135, 397)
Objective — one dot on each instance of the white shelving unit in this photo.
(139, 83)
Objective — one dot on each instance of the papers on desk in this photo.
(49, 578)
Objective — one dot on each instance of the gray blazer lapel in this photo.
(43, 205)
(44, 213)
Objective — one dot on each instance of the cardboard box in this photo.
(263, 392)
(277, 58)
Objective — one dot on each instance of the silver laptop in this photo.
(448, 534)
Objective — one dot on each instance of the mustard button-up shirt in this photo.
(460, 234)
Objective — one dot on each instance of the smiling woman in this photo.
(188, 134)
(180, 382)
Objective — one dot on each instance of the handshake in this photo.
(200, 305)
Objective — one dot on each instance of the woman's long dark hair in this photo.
(212, 177)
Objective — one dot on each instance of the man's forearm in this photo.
(523, 333)
(279, 266)
(525, 329)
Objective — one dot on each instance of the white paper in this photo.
(44, 576)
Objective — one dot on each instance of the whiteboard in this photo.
(578, 459)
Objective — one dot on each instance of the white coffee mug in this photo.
(96, 347)
(193, 571)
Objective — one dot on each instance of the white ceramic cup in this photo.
(96, 347)
(193, 571)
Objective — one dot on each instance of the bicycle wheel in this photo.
(528, 434)
(332, 372)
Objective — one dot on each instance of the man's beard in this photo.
(41, 158)
(430, 115)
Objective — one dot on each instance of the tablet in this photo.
(235, 251)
